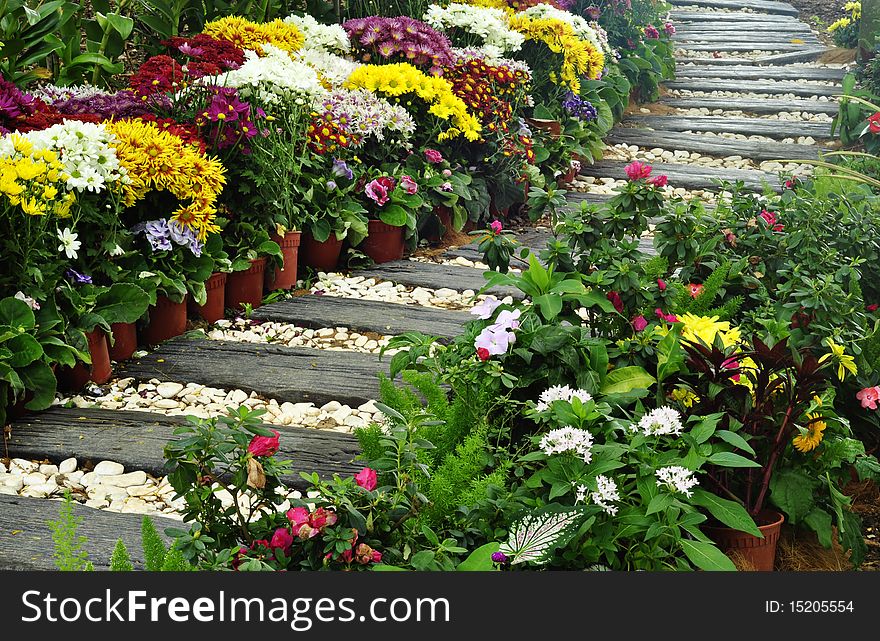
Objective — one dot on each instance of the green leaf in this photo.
(550, 305)
(16, 313)
(705, 428)
(659, 503)
(792, 491)
(25, 350)
(736, 440)
(706, 556)
(480, 560)
(40, 379)
(819, 521)
(729, 459)
(730, 513)
(394, 215)
(122, 24)
(626, 379)
(122, 303)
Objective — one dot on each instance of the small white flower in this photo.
(581, 494)
(33, 304)
(560, 393)
(677, 479)
(117, 251)
(663, 420)
(606, 494)
(568, 439)
(69, 243)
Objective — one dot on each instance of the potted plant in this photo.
(392, 203)
(248, 247)
(445, 192)
(213, 309)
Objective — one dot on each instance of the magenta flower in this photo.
(639, 323)
(669, 28)
(769, 217)
(496, 227)
(264, 445)
(659, 181)
(638, 171)
(281, 540)
(433, 156)
(615, 299)
(651, 32)
(409, 185)
(669, 318)
(366, 479)
(377, 190)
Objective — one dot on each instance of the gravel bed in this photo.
(755, 54)
(593, 185)
(177, 399)
(738, 113)
(330, 338)
(687, 93)
(800, 140)
(682, 157)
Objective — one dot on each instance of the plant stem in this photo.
(774, 455)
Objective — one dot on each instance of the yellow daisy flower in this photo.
(811, 436)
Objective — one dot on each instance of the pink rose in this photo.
(661, 284)
(615, 299)
(378, 189)
(496, 226)
(639, 323)
(297, 516)
(366, 478)
(281, 540)
(264, 445)
(637, 171)
(869, 397)
(409, 185)
(322, 518)
(433, 156)
(659, 181)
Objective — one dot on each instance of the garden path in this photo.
(748, 92)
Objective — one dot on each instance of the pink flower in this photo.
(321, 518)
(281, 540)
(639, 323)
(669, 28)
(651, 32)
(615, 299)
(483, 354)
(366, 478)
(307, 532)
(297, 516)
(447, 186)
(659, 181)
(433, 156)
(409, 185)
(379, 189)
(869, 397)
(495, 341)
(873, 307)
(264, 445)
(669, 318)
(769, 217)
(447, 173)
(496, 226)
(695, 290)
(485, 309)
(637, 171)
(661, 284)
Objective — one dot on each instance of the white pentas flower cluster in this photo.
(273, 78)
(660, 421)
(676, 479)
(568, 439)
(606, 494)
(322, 37)
(86, 149)
(486, 23)
(560, 393)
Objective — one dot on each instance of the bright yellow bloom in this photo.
(706, 328)
(810, 438)
(684, 396)
(157, 160)
(845, 362)
(245, 34)
(402, 79)
(840, 24)
(31, 179)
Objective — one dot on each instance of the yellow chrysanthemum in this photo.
(32, 179)
(845, 362)
(839, 24)
(401, 79)
(706, 328)
(245, 34)
(158, 160)
(579, 57)
(812, 435)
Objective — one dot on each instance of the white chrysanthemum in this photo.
(332, 68)
(86, 150)
(53, 93)
(663, 420)
(677, 479)
(489, 24)
(273, 78)
(584, 30)
(606, 494)
(561, 393)
(568, 439)
(325, 37)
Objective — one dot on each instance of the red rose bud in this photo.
(483, 353)
(615, 299)
(872, 308)
(264, 445)
(661, 284)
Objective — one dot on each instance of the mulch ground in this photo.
(826, 10)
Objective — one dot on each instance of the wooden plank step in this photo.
(691, 177)
(716, 62)
(295, 374)
(732, 46)
(807, 55)
(686, 40)
(765, 6)
(802, 89)
(364, 316)
(137, 441)
(713, 145)
(733, 26)
(748, 126)
(534, 239)
(718, 17)
(26, 540)
(435, 276)
(748, 72)
(755, 105)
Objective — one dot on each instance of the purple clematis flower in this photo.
(341, 169)
(77, 277)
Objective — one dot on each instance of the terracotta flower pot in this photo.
(383, 243)
(442, 216)
(758, 553)
(215, 306)
(167, 320)
(76, 377)
(285, 278)
(320, 255)
(125, 341)
(246, 287)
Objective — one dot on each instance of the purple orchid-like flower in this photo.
(77, 277)
(485, 309)
(341, 169)
(158, 235)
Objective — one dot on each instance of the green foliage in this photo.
(69, 554)
(154, 548)
(120, 561)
